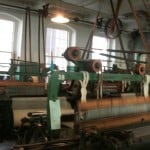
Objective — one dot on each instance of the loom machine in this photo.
(86, 94)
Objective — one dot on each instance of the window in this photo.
(6, 46)
(100, 43)
(10, 40)
(56, 43)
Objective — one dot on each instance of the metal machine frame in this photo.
(53, 107)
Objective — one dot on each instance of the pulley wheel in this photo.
(73, 54)
(111, 30)
(140, 69)
(96, 66)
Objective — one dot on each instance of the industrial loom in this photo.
(104, 113)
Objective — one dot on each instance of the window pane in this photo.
(56, 44)
(61, 63)
(6, 35)
(100, 43)
(6, 46)
(5, 61)
(5, 57)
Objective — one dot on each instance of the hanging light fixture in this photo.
(60, 14)
(60, 19)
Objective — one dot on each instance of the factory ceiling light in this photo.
(60, 19)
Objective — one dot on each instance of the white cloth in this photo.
(146, 85)
(84, 83)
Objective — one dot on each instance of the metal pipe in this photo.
(117, 57)
(118, 50)
(43, 36)
(39, 42)
(29, 31)
(130, 60)
(29, 24)
(16, 7)
(25, 39)
(127, 51)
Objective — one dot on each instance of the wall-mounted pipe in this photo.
(17, 7)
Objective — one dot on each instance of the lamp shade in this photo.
(60, 19)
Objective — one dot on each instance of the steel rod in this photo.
(130, 52)
(43, 37)
(16, 7)
(117, 57)
(25, 39)
(29, 35)
(119, 50)
(121, 58)
(29, 24)
(39, 42)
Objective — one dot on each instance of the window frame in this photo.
(17, 35)
(71, 36)
(111, 44)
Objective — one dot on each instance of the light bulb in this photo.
(60, 19)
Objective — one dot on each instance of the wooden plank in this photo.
(17, 83)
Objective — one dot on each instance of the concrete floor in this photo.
(144, 142)
(6, 145)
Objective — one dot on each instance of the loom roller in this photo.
(74, 54)
(21, 106)
(115, 112)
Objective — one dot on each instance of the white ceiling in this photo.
(87, 8)
(97, 5)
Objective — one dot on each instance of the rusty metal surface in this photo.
(116, 122)
(113, 102)
(17, 83)
(25, 91)
(115, 112)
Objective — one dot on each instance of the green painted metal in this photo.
(121, 77)
(21, 69)
(57, 77)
